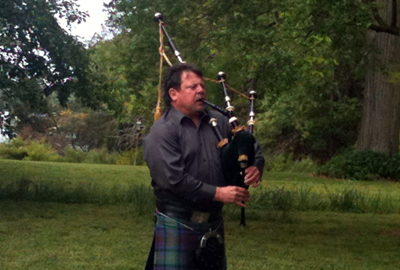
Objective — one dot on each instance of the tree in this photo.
(380, 124)
(37, 56)
(86, 131)
(300, 63)
(108, 77)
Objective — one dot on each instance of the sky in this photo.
(93, 23)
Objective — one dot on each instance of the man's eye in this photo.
(194, 87)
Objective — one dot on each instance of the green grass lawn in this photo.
(72, 173)
(379, 194)
(72, 236)
(39, 236)
(294, 221)
(320, 184)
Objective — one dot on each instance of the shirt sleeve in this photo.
(259, 160)
(162, 152)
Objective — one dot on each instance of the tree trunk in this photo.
(380, 124)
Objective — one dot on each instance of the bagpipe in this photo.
(237, 153)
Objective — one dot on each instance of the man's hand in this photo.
(252, 176)
(232, 194)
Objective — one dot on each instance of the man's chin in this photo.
(200, 108)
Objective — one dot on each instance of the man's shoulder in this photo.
(164, 125)
(161, 125)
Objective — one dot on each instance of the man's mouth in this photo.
(200, 100)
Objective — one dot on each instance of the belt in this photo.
(175, 211)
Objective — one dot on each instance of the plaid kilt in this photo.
(175, 245)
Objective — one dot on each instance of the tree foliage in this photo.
(305, 59)
(37, 56)
(108, 75)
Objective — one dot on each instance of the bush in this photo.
(129, 157)
(74, 156)
(39, 151)
(28, 150)
(14, 150)
(34, 150)
(286, 163)
(393, 168)
(363, 165)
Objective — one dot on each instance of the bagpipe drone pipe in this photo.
(237, 152)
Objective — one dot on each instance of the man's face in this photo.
(189, 98)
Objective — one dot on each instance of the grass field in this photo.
(38, 236)
(72, 173)
(295, 221)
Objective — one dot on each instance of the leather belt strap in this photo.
(175, 211)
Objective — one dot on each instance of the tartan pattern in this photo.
(175, 245)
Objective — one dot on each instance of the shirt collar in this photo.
(178, 116)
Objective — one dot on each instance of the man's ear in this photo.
(173, 93)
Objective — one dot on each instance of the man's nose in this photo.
(200, 90)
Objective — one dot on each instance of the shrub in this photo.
(393, 168)
(14, 150)
(20, 149)
(74, 156)
(286, 163)
(39, 151)
(129, 157)
(362, 165)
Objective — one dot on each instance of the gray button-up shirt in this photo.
(184, 159)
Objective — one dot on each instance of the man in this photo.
(185, 166)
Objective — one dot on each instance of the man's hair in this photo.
(173, 78)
